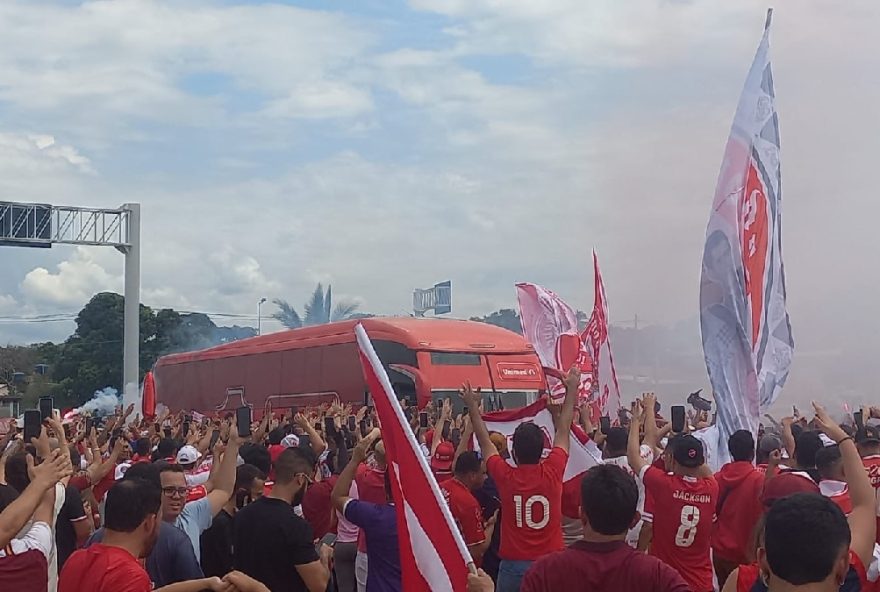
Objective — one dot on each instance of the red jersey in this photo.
(683, 529)
(601, 566)
(748, 578)
(317, 507)
(531, 505)
(739, 509)
(466, 510)
(872, 466)
(101, 568)
(103, 486)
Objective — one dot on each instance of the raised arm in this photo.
(224, 480)
(472, 400)
(862, 519)
(652, 432)
(444, 416)
(98, 472)
(43, 478)
(633, 452)
(572, 382)
(339, 495)
(467, 435)
(315, 439)
(788, 436)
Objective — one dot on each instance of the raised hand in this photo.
(471, 398)
(572, 380)
(828, 425)
(53, 469)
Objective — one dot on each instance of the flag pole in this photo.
(769, 18)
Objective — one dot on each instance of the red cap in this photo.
(786, 484)
(442, 459)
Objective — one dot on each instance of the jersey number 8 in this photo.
(687, 532)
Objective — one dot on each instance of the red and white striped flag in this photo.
(599, 344)
(433, 555)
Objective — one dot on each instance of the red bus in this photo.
(426, 359)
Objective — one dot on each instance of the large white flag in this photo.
(746, 333)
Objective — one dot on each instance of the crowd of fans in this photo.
(303, 502)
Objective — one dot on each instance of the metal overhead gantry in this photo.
(42, 225)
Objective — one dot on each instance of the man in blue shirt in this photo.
(378, 522)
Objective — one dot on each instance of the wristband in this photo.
(842, 440)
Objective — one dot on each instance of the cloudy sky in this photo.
(384, 145)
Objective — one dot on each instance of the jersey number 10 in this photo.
(525, 513)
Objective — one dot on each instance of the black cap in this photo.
(868, 435)
(688, 452)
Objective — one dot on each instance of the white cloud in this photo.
(321, 99)
(75, 281)
(105, 60)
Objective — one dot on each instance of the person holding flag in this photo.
(377, 521)
(531, 491)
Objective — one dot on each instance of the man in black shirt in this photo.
(271, 542)
(216, 542)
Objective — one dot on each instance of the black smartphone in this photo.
(243, 421)
(352, 423)
(678, 418)
(66, 428)
(185, 429)
(859, 419)
(423, 419)
(605, 424)
(318, 426)
(46, 405)
(32, 424)
(363, 426)
(656, 407)
(187, 418)
(89, 425)
(215, 435)
(305, 441)
(328, 539)
(167, 432)
(329, 426)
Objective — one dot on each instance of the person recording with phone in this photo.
(216, 542)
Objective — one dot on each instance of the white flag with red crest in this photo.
(551, 326)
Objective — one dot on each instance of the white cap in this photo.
(290, 441)
(188, 455)
(120, 470)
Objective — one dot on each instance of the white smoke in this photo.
(103, 403)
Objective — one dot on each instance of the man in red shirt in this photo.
(131, 529)
(531, 492)
(739, 505)
(868, 442)
(687, 498)
(469, 476)
(441, 461)
(603, 560)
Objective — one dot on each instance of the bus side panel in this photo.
(342, 372)
(263, 378)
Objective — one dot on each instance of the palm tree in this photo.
(318, 310)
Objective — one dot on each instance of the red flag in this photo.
(599, 343)
(433, 555)
(149, 398)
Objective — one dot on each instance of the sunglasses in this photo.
(172, 491)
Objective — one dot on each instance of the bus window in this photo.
(455, 359)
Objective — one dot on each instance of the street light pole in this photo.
(260, 316)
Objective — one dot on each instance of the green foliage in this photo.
(91, 358)
(318, 310)
(506, 318)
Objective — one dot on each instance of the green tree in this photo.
(91, 358)
(506, 318)
(317, 311)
